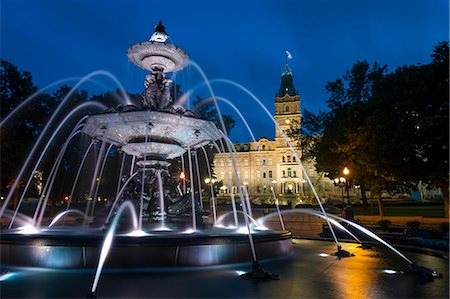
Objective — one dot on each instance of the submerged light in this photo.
(137, 233)
(7, 276)
(28, 229)
(389, 271)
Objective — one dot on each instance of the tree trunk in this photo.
(445, 191)
(380, 205)
(363, 195)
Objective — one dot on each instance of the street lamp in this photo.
(346, 172)
(210, 182)
(340, 182)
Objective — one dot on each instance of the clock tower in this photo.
(287, 107)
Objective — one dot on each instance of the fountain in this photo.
(167, 227)
(154, 134)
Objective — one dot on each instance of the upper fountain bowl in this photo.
(155, 55)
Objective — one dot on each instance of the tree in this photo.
(390, 129)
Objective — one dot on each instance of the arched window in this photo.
(284, 173)
(264, 147)
(284, 159)
(295, 174)
(286, 109)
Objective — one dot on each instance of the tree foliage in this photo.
(390, 129)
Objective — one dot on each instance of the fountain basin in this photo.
(168, 134)
(152, 54)
(207, 248)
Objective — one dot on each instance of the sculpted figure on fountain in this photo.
(156, 95)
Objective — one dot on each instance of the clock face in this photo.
(287, 121)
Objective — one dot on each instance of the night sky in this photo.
(244, 41)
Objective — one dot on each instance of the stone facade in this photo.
(275, 166)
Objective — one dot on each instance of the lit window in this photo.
(258, 174)
(246, 162)
(246, 175)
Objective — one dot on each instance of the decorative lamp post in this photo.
(210, 182)
(346, 172)
(341, 183)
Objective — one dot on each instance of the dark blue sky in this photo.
(243, 41)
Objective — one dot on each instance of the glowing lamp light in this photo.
(207, 180)
(240, 272)
(323, 254)
(346, 171)
(389, 271)
(182, 176)
(189, 231)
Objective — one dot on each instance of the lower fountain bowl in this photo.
(77, 250)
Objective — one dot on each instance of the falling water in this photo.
(109, 238)
(374, 236)
(51, 179)
(259, 153)
(75, 182)
(191, 179)
(161, 199)
(314, 213)
(211, 185)
(222, 217)
(184, 172)
(60, 215)
(118, 196)
(43, 152)
(47, 126)
(99, 179)
(199, 179)
(230, 186)
(289, 144)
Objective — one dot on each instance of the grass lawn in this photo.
(435, 211)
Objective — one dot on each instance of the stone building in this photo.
(275, 166)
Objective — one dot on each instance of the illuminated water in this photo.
(309, 273)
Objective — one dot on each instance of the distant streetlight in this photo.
(183, 179)
(346, 171)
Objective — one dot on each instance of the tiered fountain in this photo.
(155, 135)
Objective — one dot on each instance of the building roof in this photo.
(287, 83)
